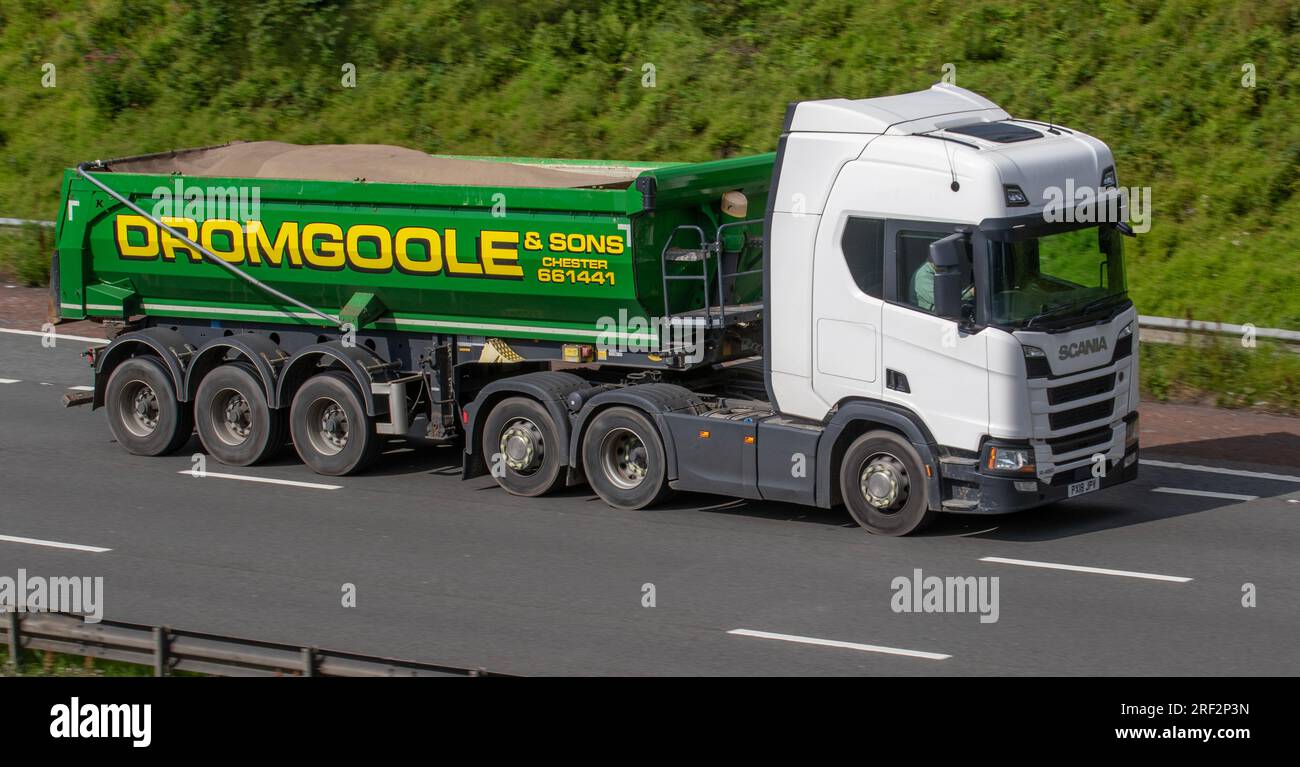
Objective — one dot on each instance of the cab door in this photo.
(930, 365)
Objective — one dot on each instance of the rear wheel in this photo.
(521, 443)
(235, 423)
(883, 484)
(331, 431)
(144, 414)
(624, 458)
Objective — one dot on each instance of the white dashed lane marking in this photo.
(1205, 493)
(838, 644)
(1084, 569)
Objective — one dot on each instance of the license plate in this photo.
(1086, 486)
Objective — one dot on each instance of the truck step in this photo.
(956, 505)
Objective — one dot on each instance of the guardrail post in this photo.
(15, 639)
(308, 661)
(160, 651)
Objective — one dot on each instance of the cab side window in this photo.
(914, 273)
(864, 252)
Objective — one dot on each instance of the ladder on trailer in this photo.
(718, 282)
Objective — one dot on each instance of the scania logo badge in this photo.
(1091, 346)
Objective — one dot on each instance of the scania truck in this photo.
(888, 313)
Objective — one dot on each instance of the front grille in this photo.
(1083, 441)
(1081, 389)
(1094, 412)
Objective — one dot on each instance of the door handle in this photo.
(896, 381)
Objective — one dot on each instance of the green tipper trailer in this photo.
(500, 261)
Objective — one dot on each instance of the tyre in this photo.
(144, 414)
(624, 458)
(883, 484)
(521, 444)
(331, 431)
(236, 425)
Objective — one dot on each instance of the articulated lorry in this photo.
(886, 313)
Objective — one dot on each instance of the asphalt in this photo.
(461, 573)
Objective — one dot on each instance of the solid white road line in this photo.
(17, 332)
(1205, 493)
(8, 380)
(53, 544)
(1082, 569)
(1217, 470)
(267, 480)
(841, 645)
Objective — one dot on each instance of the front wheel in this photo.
(624, 458)
(883, 484)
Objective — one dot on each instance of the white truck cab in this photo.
(920, 258)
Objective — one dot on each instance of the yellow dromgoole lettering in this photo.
(328, 254)
(122, 229)
(170, 244)
(499, 254)
(418, 235)
(233, 254)
(286, 239)
(382, 261)
(454, 266)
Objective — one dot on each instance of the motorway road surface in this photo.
(461, 573)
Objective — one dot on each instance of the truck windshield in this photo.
(1057, 277)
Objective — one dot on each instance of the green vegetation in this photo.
(25, 253)
(1220, 371)
(40, 663)
(1161, 82)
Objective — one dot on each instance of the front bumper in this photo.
(970, 490)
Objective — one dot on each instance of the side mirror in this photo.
(946, 256)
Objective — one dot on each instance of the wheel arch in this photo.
(164, 343)
(652, 400)
(266, 357)
(365, 367)
(549, 388)
(853, 419)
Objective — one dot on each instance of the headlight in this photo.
(1019, 460)
(1127, 331)
(1108, 177)
(1033, 351)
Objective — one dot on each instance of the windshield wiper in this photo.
(1046, 312)
(1098, 303)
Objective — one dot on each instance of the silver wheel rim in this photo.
(231, 417)
(884, 483)
(138, 408)
(522, 447)
(327, 426)
(623, 458)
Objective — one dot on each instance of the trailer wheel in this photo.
(624, 458)
(331, 431)
(236, 425)
(144, 413)
(521, 443)
(883, 483)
